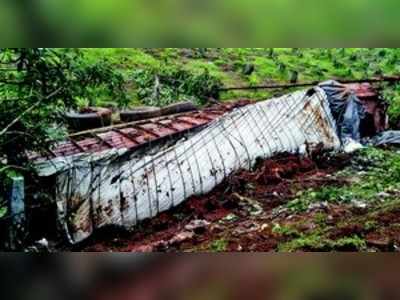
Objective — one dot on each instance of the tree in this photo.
(36, 86)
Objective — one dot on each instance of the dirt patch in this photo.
(241, 215)
(389, 217)
(248, 212)
(347, 230)
(238, 211)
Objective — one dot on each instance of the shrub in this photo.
(36, 87)
(170, 84)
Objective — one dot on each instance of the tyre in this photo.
(89, 119)
(140, 113)
(179, 107)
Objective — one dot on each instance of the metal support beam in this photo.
(313, 83)
(16, 206)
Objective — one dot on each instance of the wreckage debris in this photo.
(274, 171)
(238, 205)
(102, 178)
(358, 111)
(123, 187)
(88, 118)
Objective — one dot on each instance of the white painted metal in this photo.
(118, 188)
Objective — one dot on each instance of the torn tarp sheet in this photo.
(346, 108)
(390, 137)
(358, 110)
(122, 188)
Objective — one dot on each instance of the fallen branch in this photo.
(14, 99)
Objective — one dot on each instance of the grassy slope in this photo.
(277, 65)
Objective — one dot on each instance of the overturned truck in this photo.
(122, 175)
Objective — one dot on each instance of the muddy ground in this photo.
(269, 209)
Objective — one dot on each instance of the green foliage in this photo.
(380, 172)
(286, 231)
(391, 93)
(36, 87)
(271, 65)
(373, 179)
(33, 87)
(320, 219)
(3, 210)
(168, 85)
(370, 225)
(353, 242)
(97, 81)
(219, 245)
(3, 204)
(309, 242)
(317, 242)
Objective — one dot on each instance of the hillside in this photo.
(244, 67)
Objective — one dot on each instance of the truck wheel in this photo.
(179, 107)
(94, 117)
(140, 113)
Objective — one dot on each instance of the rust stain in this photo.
(312, 112)
(140, 133)
(109, 209)
(124, 202)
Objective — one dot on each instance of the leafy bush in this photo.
(272, 65)
(97, 81)
(36, 87)
(168, 85)
(391, 93)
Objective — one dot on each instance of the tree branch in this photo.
(29, 110)
(14, 99)
(11, 82)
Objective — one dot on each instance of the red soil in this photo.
(274, 182)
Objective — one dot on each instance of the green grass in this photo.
(318, 240)
(380, 173)
(312, 64)
(219, 245)
(275, 65)
(372, 172)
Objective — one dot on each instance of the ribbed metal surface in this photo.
(121, 188)
(138, 133)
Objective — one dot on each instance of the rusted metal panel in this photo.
(122, 187)
(376, 119)
(138, 133)
(363, 90)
